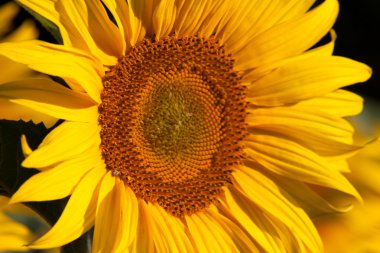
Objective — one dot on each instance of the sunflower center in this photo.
(172, 122)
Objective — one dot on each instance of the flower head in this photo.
(189, 126)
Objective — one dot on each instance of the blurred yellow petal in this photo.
(27, 31)
(8, 12)
(13, 235)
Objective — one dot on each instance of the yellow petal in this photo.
(250, 18)
(13, 235)
(46, 8)
(42, 91)
(163, 18)
(208, 235)
(340, 165)
(77, 68)
(144, 238)
(294, 161)
(78, 215)
(135, 20)
(83, 25)
(12, 243)
(12, 111)
(191, 15)
(108, 213)
(94, 31)
(8, 12)
(17, 209)
(340, 103)
(216, 14)
(129, 216)
(288, 38)
(253, 220)
(320, 51)
(234, 230)
(320, 132)
(268, 195)
(307, 121)
(310, 201)
(27, 31)
(55, 183)
(67, 141)
(80, 115)
(12, 71)
(306, 79)
(104, 32)
(119, 10)
(168, 231)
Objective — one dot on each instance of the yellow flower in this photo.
(189, 126)
(14, 235)
(357, 231)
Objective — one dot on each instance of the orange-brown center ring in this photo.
(172, 121)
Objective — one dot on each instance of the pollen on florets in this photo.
(172, 121)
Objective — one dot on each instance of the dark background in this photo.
(358, 29)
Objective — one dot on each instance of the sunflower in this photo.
(188, 126)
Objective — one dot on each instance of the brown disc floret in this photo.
(172, 121)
